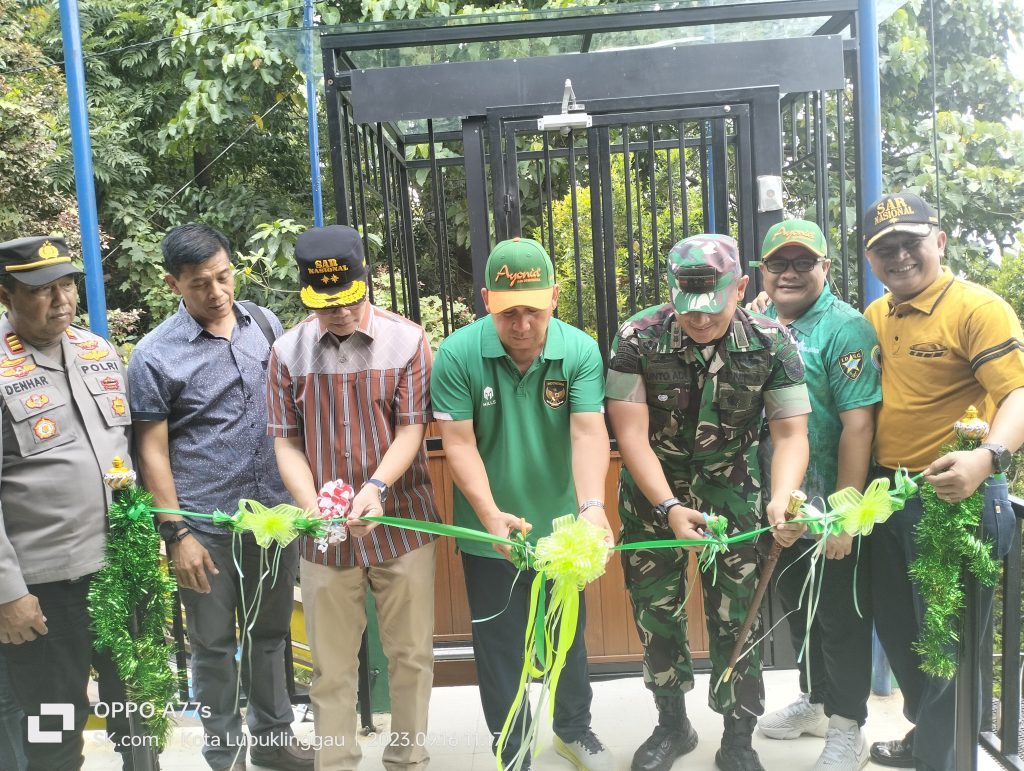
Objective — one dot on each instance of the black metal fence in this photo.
(1001, 671)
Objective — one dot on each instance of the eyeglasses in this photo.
(891, 248)
(800, 265)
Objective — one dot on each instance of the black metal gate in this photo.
(609, 200)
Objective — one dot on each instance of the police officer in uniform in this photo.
(64, 413)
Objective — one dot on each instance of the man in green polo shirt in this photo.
(840, 354)
(519, 399)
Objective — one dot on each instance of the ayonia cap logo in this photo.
(904, 212)
(702, 271)
(519, 272)
(332, 270)
(36, 260)
(802, 233)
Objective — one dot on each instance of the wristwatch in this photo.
(663, 507)
(380, 486)
(1000, 456)
(173, 531)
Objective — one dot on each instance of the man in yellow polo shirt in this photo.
(945, 344)
(519, 398)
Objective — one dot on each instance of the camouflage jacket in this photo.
(706, 411)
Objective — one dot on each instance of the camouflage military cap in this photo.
(702, 273)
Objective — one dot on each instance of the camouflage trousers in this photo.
(657, 584)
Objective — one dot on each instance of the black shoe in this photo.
(736, 753)
(288, 757)
(899, 753)
(673, 737)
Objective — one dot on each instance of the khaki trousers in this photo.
(333, 601)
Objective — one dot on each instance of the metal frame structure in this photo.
(406, 141)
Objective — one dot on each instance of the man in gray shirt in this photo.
(198, 401)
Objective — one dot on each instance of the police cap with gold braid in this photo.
(332, 270)
(36, 260)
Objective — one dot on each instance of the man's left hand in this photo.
(957, 475)
(596, 516)
(786, 533)
(838, 546)
(367, 501)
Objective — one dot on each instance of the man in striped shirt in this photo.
(348, 399)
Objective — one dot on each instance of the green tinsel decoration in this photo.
(948, 545)
(133, 579)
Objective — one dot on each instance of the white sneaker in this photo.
(586, 753)
(845, 748)
(800, 717)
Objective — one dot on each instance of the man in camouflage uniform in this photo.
(688, 384)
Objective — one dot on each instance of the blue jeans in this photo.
(928, 702)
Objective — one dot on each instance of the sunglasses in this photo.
(800, 264)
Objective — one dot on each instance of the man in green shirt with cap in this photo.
(839, 349)
(519, 399)
(688, 384)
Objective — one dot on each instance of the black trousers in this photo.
(498, 649)
(839, 644)
(53, 669)
(928, 702)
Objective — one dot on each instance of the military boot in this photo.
(736, 754)
(672, 737)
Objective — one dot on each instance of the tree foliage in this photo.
(980, 174)
(197, 112)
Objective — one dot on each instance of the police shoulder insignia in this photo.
(44, 429)
(13, 343)
(852, 364)
(555, 392)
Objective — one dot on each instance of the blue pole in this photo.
(314, 130)
(869, 104)
(81, 150)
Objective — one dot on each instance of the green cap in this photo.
(519, 272)
(801, 233)
(702, 273)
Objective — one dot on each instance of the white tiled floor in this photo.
(623, 717)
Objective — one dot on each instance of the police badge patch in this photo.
(852, 364)
(555, 392)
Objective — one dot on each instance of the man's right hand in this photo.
(21, 620)
(504, 525)
(687, 524)
(191, 562)
(760, 303)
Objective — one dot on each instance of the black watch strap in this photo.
(173, 531)
(663, 507)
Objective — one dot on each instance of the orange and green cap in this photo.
(519, 272)
(702, 273)
(803, 233)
